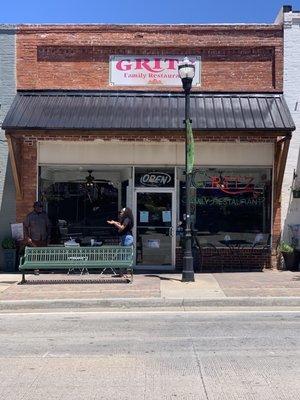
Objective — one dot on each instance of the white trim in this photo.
(272, 202)
(149, 153)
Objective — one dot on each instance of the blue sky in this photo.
(141, 11)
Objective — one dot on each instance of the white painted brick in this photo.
(290, 206)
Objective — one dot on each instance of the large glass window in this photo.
(230, 203)
(80, 200)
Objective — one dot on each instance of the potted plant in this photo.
(9, 254)
(287, 254)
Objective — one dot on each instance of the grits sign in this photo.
(149, 70)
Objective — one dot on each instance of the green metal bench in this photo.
(83, 258)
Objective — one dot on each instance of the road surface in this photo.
(150, 355)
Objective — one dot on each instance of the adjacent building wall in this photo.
(7, 92)
(290, 205)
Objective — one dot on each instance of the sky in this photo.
(142, 11)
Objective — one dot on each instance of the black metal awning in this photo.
(111, 110)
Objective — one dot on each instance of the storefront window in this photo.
(79, 202)
(230, 203)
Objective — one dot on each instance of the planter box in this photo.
(296, 193)
(9, 260)
(289, 260)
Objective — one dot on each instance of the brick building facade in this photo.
(76, 57)
(64, 70)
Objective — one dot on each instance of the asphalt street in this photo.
(150, 355)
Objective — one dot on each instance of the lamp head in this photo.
(186, 72)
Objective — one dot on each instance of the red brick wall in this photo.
(28, 160)
(31, 137)
(234, 58)
(276, 231)
(225, 259)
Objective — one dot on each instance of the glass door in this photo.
(155, 229)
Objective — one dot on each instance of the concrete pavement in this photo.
(252, 289)
(150, 355)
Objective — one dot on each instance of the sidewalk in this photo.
(253, 289)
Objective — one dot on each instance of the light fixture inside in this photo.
(89, 180)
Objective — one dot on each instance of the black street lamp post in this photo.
(186, 71)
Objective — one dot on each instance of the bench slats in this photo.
(50, 258)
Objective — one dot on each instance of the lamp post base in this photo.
(188, 271)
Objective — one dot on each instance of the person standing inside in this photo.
(37, 226)
(124, 226)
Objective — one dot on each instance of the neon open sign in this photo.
(155, 179)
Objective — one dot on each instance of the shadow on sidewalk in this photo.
(163, 278)
(76, 280)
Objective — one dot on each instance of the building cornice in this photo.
(97, 28)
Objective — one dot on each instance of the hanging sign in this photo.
(144, 216)
(17, 231)
(166, 216)
(149, 70)
(153, 243)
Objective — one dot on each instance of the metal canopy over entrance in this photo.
(147, 110)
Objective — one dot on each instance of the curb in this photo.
(154, 303)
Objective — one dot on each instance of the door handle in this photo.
(171, 232)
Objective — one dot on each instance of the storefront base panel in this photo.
(223, 260)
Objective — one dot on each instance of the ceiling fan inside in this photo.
(90, 181)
